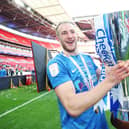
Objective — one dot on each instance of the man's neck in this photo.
(70, 53)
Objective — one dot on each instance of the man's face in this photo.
(67, 37)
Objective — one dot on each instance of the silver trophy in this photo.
(121, 46)
(112, 44)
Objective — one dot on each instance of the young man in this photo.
(73, 76)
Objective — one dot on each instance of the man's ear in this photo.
(57, 38)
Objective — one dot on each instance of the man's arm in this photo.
(75, 104)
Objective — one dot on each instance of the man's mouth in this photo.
(70, 42)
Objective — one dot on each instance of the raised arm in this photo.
(75, 104)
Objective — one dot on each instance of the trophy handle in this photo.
(125, 87)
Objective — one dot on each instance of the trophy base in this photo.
(119, 124)
(123, 111)
(123, 114)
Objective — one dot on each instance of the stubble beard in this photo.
(66, 48)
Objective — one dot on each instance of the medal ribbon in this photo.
(87, 82)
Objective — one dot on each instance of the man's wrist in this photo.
(110, 83)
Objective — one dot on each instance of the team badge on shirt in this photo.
(54, 70)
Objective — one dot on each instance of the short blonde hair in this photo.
(61, 23)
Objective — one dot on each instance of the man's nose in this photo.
(70, 35)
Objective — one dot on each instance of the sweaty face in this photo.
(67, 37)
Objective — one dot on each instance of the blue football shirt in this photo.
(60, 70)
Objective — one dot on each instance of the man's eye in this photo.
(64, 33)
(72, 31)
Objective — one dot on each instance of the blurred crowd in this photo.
(13, 71)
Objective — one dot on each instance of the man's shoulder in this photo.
(58, 58)
(86, 55)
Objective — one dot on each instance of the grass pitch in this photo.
(41, 113)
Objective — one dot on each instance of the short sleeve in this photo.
(57, 73)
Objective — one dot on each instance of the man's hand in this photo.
(118, 72)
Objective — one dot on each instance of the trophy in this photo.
(121, 47)
(112, 44)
